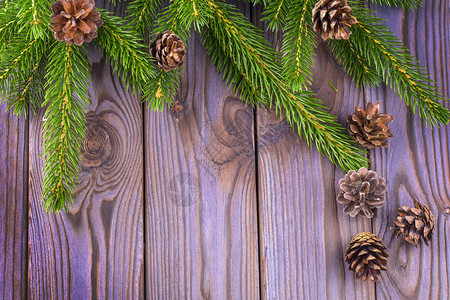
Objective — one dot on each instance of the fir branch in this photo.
(180, 15)
(377, 45)
(21, 73)
(405, 4)
(24, 17)
(142, 13)
(128, 55)
(177, 18)
(254, 63)
(275, 13)
(298, 45)
(162, 88)
(63, 132)
(357, 67)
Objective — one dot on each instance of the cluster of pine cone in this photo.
(362, 192)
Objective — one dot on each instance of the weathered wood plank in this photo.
(417, 163)
(303, 230)
(13, 205)
(96, 249)
(201, 217)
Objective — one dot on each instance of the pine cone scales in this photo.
(332, 19)
(415, 223)
(169, 50)
(75, 21)
(369, 127)
(366, 256)
(361, 191)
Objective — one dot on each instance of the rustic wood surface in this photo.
(417, 164)
(303, 229)
(13, 205)
(95, 250)
(222, 201)
(201, 204)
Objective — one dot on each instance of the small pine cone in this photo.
(75, 21)
(361, 191)
(332, 19)
(366, 256)
(169, 50)
(368, 127)
(414, 223)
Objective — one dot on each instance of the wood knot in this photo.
(97, 145)
(447, 210)
(177, 108)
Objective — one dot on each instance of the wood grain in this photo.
(13, 205)
(417, 163)
(95, 250)
(303, 230)
(201, 230)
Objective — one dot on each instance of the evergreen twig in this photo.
(253, 64)
(410, 4)
(382, 51)
(125, 48)
(276, 12)
(298, 45)
(63, 132)
(142, 14)
(356, 65)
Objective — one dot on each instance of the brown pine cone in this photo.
(366, 256)
(361, 191)
(75, 21)
(332, 19)
(415, 223)
(169, 50)
(368, 127)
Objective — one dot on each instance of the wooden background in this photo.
(223, 201)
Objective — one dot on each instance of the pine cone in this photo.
(366, 256)
(75, 21)
(168, 49)
(368, 127)
(361, 191)
(332, 19)
(415, 223)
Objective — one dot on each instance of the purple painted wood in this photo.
(13, 205)
(417, 163)
(95, 250)
(218, 223)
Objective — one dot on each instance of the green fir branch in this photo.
(363, 74)
(162, 88)
(21, 74)
(24, 17)
(378, 46)
(142, 14)
(275, 13)
(66, 98)
(177, 18)
(405, 4)
(128, 54)
(298, 45)
(254, 66)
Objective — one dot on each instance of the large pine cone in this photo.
(366, 256)
(169, 50)
(414, 223)
(361, 191)
(75, 21)
(332, 19)
(369, 127)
